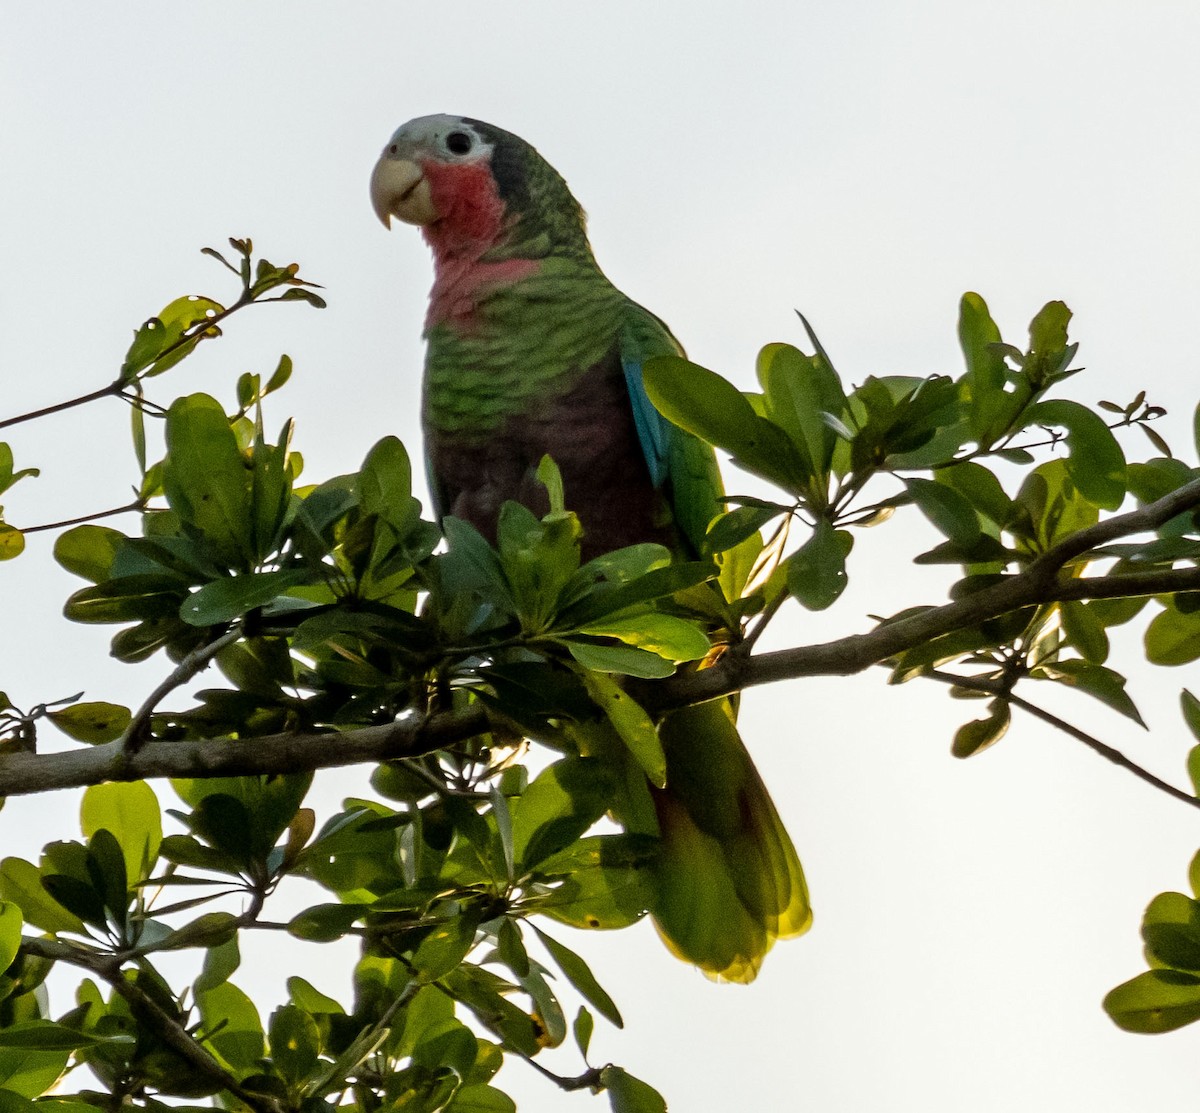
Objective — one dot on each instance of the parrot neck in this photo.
(462, 282)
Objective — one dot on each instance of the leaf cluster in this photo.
(337, 606)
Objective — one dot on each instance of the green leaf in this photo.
(579, 974)
(732, 528)
(21, 883)
(12, 1102)
(1097, 681)
(129, 810)
(223, 600)
(627, 1094)
(220, 962)
(1084, 631)
(949, 511)
(44, 1035)
(601, 897)
(620, 659)
(12, 541)
(94, 723)
(1155, 1001)
(559, 805)
(673, 638)
(206, 480)
(11, 922)
(88, 551)
(713, 409)
(511, 948)
(385, 484)
(1190, 706)
(1171, 929)
(798, 392)
(28, 1072)
(582, 1030)
(1096, 464)
(323, 923)
(149, 355)
(979, 734)
(816, 572)
(7, 475)
(1173, 637)
(237, 1034)
(444, 948)
(295, 1043)
(631, 722)
(980, 488)
(310, 999)
(213, 930)
(478, 1098)
(479, 991)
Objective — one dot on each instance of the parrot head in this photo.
(471, 186)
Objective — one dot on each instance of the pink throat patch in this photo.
(470, 223)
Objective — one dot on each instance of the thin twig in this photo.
(113, 388)
(196, 661)
(128, 508)
(997, 688)
(588, 1080)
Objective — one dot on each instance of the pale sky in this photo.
(865, 163)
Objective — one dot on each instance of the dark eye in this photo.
(458, 142)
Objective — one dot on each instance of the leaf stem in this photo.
(1001, 689)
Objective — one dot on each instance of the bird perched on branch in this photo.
(532, 351)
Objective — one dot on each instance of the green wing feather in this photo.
(728, 881)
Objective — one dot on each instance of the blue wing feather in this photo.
(652, 429)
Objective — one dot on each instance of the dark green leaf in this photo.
(816, 572)
(223, 600)
(1190, 706)
(977, 735)
(295, 1043)
(479, 1098)
(1171, 929)
(1097, 681)
(949, 511)
(582, 1030)
(560, 804)
(620, 659)
(581, 977)
(627, 1094)
(1084, 631)
(1096, 464)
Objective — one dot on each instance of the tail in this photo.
(728, 882)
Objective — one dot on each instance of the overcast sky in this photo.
(865, 163)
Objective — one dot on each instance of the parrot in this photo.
(531, 351)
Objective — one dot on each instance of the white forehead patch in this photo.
(432, 132)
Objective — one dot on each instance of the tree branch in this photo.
(173, 1033)
(226, 757)
(24, 773)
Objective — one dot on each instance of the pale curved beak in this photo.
(399, 189)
